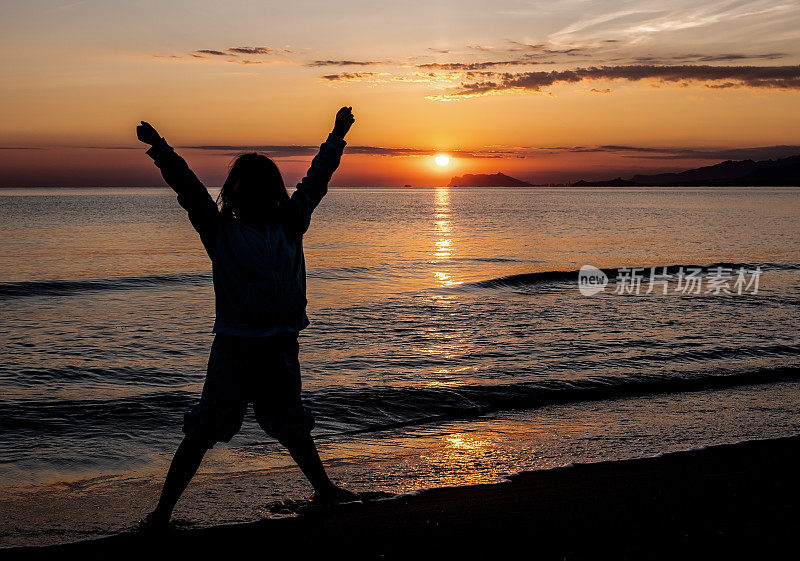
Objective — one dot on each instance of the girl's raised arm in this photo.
(192, 194)
(315, 184)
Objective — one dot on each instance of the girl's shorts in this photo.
(241, 370)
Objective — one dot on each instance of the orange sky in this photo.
(546, 91)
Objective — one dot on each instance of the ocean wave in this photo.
(387, 408)
(558, 277)
(138, 375)
(23, 289)
(494, 260)
(343, 410)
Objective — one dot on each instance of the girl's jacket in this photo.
(259, 276)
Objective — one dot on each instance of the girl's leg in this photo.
(184, 466)
(304, 452)
(218, 417)
(280, 412)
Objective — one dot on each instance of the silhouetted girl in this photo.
(254, 237)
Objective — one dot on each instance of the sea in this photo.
(453, 340)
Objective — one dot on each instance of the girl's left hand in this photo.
(147, 134)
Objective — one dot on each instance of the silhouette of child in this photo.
(254, 237)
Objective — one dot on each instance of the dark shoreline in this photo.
(727, 501)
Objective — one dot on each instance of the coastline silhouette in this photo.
(253, 235)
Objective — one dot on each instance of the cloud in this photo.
(754, 153)
(775, 77)
(603, 91)
(436, 80)
(236, 51)
(287, 151)
(250, 50)
(544, 49)
(640, 21)
(234, 54)
(246, 61)
(344, 63)
(211, 52)
(638, 152)
(728, 57)
(473, 65)
(684, 153)
(352, 76)
(731, 56)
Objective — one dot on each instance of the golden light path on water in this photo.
(451, 456)
(443, 241)
(442, 344)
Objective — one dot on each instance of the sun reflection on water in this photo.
(443, 243)
(454, 458)
(465, 441)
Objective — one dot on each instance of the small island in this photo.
(487, 180)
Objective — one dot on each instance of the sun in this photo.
(442, 160)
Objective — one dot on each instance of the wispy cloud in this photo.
(726, 57)
(474, 65)
(287, 151)
(754, 153)
(774, 77)
(250, 50)
(733, 56)
(640, 20)
(352, 76)
(236, 55)
(247, 61)
(236, 51)
(317, 63)
(647, 152)
(210, 52)
(545, 49)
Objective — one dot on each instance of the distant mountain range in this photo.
(780, 172)
(487, 180)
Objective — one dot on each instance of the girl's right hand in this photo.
(344, 120)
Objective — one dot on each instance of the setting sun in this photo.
(442, 160)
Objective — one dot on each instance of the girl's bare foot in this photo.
(334, 495)
(154, 522)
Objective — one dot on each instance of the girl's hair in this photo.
(254, 191)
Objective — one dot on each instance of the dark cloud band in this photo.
(780, 77)
(650, 152)
(316, 63)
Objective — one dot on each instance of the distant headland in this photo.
(487, 180)
(775, 173)
(782, 172)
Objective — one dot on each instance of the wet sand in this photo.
(729, 501)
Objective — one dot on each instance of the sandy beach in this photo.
(719, 502)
